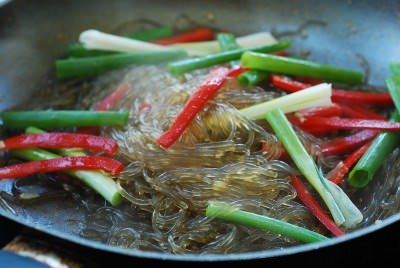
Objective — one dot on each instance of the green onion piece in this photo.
(252, 77)
(393, 86)
(187, 65)
(92, 66)
(227, 42)
(286, 65)
(364, 171)
(226, 212)
(62, 119)
(342, 209)
(319, 95)
(78, 50)
(395, 68)
(100, 182)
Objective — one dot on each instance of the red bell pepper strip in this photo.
(331, 110)
(111, 100)
(59, 164)
(236, 71)
(337, 123)
(309, 201)
(343, 167)
(345, 144)
(61, 140)
(338, 95)
(355, 111)
(199, 34)
(106, 104)
(316, 131)
(193, 106)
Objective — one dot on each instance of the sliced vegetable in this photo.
(227, 42)
(229, 213)
(341, 170)
(187, 65)
(342, 209)
(210, 47)
(61, 140)
(60, 164)
(393, 85)
(395, 68)
(331, 110)
(193, 106)
(93, 39)
(346, 144)
(78, 50)
(319, 95)
(62, 119)
(195, 35)
(99, 181)
(113, 98)
(252, 77)
(338, 95)
(381, 147)
(356, 111)
(92, 66)
(293, 66)
(336, 123)
(309, 201)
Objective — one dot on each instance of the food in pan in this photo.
(216, 143)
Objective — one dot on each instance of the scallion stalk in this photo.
(252, 77)
(226, 212)
(319, 95)
(92, 66)
(293, 66)
(342, 209)
(78, 50)
(62, 119)
(227, 42)
(188, 65)
(210, 47)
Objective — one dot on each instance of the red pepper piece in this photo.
(316, 131)
(355, 111)
(61, 140)
(338, 95)
(350, 123)
(196, 35)
(193, 106)
(331, 110)
(345, 144)
(343, 167)
(111, 100)
(63, 163)
(309, 201)
(236, 71)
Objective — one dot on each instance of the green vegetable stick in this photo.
(226, 212)
(365, 169)
(92, 66)
(187, 65)
(100, 182)
(78, 50)
(62, 119)
(292, 66)
(227, 42)
(342, 209)
(252, 77)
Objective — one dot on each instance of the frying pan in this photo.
(344, 33)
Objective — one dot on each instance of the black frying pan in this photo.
(343, 33)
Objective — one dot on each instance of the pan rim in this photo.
(264, 254)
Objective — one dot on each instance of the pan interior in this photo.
(32, 37)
